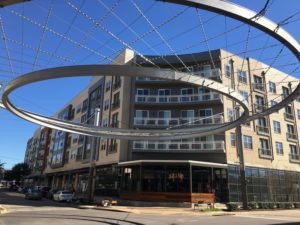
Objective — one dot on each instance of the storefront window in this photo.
(153, 179)
(107, 181)
(202, 180)
(177, 179)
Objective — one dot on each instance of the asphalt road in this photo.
(25, 212)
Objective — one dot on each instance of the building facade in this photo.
(189, 169)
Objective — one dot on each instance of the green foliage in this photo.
(232, 206)
(18, 172)
(253, 205)
(297, 205)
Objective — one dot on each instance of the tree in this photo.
(2, 170)
(18, 172)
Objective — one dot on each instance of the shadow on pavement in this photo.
(288, 223)
(18, 199)
(98, 219)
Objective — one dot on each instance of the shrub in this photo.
(253, 205)
(288, 205)
(297, 205)
(281, 205)
(232, 206)
(272, 205)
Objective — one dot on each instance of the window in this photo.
(78, 108)
(244, 94)
(115, 121)
(298, 113)
(230, 115)
(277, 128)
(105, 122)
(84, 105)
(116, 102)
(273, 103)
(83, 119)
(228, 70)
(142, 91)
(247, 142)
(242, 76)
(162, 93)
(272, 87)
(293, 150)
(117, 82)
(290, 129)
(232, 139)
(264, 146)
(279, 148)
(285, 92)
(106, 104)
(205, 112)
(107, 86)
(259, 103)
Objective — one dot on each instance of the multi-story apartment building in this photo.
(189, 169)
(36, 155)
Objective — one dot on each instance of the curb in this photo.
(3, 210)
(101, 208)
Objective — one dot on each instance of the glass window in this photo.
(116, 102)
(272, 87)
(244, 94)
(277, 128)
(298, 113)
(285, 91)
(108, 85)
(205, 112)
(230, 115)
(242, 76)
(279, 148)
(273, 103)
(106, 104)
(232, 139)
(228, 70)
(247, 142)
(115, 121)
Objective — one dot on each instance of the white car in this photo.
(63, 196)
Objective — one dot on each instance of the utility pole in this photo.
(240, 149)
(92, 157)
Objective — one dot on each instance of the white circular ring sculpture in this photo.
(226, 8)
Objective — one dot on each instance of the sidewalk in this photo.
(2, 210)
(189, 211)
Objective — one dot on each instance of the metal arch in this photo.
(129, 71)
(260, 22)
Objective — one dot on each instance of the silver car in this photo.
(63, 196)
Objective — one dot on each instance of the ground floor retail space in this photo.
(180, 181)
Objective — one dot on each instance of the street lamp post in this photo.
(243, 183)
(92, 157)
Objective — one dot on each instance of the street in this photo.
(25, 212)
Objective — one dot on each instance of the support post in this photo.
(92, 158)
(239, 140)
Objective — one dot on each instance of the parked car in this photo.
(33, 194)
(45, 191)
(51, 192)
(63, 196)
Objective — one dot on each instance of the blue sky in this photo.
(182, 33)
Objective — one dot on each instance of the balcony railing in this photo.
(212, 96)
(291, 136)
(289, 116)
(295, 157)
(265, 153)
(259, 107)
(178, 146)
(262, 129)
(212, 73)
(163, 122)
(258, 87)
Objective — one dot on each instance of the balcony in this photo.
(260, 87)
(291, 136)
(262, 130)
(259, 107)
(294, 157)
(156, 146)
(265, 153)
(113, 147)
(212, 96)
(211, 74)
(289, 117)
(165, 122)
